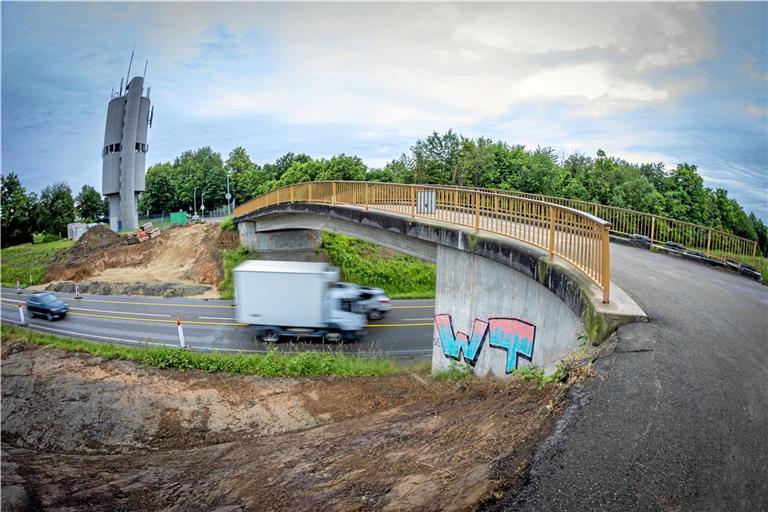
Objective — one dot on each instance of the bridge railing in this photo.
(710, 241)
(578, 237)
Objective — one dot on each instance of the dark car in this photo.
(47, 305)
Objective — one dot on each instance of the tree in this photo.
(88, 204)
(342, 167)
(160, 194)
(436, 159)
(59, 208)
(15, 212)
(245, 176)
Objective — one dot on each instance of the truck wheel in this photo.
(332, 337)
(270, 336)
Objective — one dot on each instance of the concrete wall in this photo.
(506, 303)
(283, 240)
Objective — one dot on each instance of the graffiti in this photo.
(455, 344)
(514, 336)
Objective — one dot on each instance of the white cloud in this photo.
(589, 81)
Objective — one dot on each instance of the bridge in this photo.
(530, 277)
(676, 419)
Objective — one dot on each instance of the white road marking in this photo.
(416, 319)
(217, 318)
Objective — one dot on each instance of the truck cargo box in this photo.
(283, 293)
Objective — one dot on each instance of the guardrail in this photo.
(579, 238)
(710, 241)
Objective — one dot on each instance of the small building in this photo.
(77, 229)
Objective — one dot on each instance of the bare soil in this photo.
(186, 255)
(80, 432)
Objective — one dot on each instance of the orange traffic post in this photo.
(21, 314)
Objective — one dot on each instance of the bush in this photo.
(231, 259)
(367, 264)
(228, 224)
(44, 238)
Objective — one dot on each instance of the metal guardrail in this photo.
(710, 241)
(579, 238)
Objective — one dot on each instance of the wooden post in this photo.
(366, 195)
(333, 193)
(413, 201)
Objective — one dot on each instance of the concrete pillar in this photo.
(500, 311)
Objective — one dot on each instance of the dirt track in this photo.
(84, 433)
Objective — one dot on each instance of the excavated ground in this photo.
(176, 263)
(83, 433)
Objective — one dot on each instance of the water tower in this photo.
(129, 116)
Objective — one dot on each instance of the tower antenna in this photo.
(145, 68)
(128, 78)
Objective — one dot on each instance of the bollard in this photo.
(77, 290)
(21, 314)
(182, 343)
(18, 285)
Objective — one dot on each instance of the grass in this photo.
(29, 261)
(231, 259)
(455, 373)
(272, 364)
(401, 276)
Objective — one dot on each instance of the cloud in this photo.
(587, 81)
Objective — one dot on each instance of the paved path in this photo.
(677, 418)
(405, 333)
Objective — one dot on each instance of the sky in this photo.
(646, 82)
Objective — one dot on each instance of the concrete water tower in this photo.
(129, 115)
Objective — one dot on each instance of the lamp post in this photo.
(228, 196)
(194, 199)
(202, 204)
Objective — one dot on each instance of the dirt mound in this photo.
(190, 254)
(153, 289)
(83, 432)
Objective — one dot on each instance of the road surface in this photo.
(677, 419)
(405, 333)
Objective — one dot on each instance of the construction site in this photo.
(175, 262)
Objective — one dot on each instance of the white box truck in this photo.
(296, 299)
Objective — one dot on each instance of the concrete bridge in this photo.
(519, 281)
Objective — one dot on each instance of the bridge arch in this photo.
(530, 306)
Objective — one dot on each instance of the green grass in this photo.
(228, 224)
(272, 364)
(231, 259)
(455, 373)
(29, 261)
(401, 276)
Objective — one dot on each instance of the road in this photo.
(677, 419)
(405, 333)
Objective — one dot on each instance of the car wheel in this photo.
(49, 316)
(270, 337)
(375, 314)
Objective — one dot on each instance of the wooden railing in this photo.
(579, 238)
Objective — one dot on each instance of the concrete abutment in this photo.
(500, 303)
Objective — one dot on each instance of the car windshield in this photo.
(47, 298)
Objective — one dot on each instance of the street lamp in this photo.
(202, 204)
(228, 196)
(194, 199)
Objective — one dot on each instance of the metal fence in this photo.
(710, 241)
(578, 237)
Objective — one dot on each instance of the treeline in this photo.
(200, 177)
(451, 159)
(23, 214)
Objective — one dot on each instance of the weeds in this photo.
(399, 275)
(455, 373)
(271, 364)
(231, 259)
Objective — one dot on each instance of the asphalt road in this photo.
(404, 333)
(677, 419)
